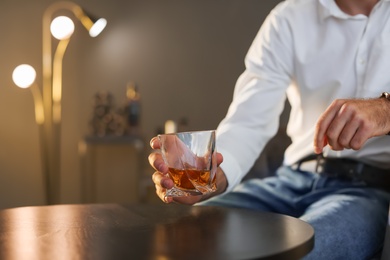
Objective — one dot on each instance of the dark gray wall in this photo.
(184, 55)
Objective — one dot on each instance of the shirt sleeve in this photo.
(258, 99)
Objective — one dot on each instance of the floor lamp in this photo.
(48, 101)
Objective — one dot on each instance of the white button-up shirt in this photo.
(312, 53)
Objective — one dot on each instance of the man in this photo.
(331, 59)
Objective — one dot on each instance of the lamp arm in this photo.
(52, 88)
(40, 120)
(50, 146)
(57, 79)
(79, 13)
(46, 49)
(38, 104)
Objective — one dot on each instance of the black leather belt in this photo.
(349, 169)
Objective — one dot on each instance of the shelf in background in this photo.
(113, 139)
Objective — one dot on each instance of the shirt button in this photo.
(362, 61)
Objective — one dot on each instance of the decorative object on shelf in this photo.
(105, 120)
(49, 99)
(123, 121)
(133, 108)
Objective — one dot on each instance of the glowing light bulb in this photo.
(98, 27)
(24, 76)
(62, 27)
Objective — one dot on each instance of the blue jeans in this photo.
(349, 218)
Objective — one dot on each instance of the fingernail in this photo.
(152, 143)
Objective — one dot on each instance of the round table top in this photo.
(162, 232)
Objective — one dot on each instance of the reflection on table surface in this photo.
(112, 231)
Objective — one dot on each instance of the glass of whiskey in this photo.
(191, 159)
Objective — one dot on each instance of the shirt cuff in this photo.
(231, 169)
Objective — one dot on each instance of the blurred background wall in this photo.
(184, 55)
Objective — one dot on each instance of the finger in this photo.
(157, 162)
(162, 183)
(219, 158)
(322, 125)
(155, 143)
(168, 199)
(358, 141)
(348, 133)
(336, 128)
(162, 180)
(361, 136)
(162, 194)
(325, 143)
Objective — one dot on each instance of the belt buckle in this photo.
(343, 170)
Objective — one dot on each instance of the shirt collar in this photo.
(328, 8)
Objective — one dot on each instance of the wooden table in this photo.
(163, 232)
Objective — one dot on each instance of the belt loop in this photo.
(359, 170)
(320, 163)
